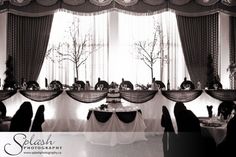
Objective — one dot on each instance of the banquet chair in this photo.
(189, 137)
(56, 85)
(21, 120)
(102, 85)
(79, 85)
(169, 136)
(3, 110)
(187, 84)
(125, 84)
(3, 113)
(160, 84)
(32, 85)
(227, 146)
(38, 119)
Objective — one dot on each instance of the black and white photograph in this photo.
(117, 78)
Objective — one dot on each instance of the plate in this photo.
(212, 124)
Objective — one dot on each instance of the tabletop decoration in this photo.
(181, 95)
(103, 107)
(223, 94)
(5, 94)
(41, 95)
(87, 96)
(138, 96)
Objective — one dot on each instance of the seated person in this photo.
(125, 84)
(225, 109)
(101, 85)
(186, 84)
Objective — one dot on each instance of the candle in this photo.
(46, 82)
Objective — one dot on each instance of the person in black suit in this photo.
(225, 109)
(21, 120)
(38, 119)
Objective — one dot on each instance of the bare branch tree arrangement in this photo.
(78, 47)
(151, 51)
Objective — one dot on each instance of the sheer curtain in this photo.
(93, 29)
(134, 29)
(114, 35)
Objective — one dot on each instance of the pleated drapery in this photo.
(181, 7)
(233, 47)
(27, 40)
(199, 38)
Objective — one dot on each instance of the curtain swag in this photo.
(181, 7)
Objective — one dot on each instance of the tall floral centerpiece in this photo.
(10, 81)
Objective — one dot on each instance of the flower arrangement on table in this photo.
(103, 107)
(143, 87)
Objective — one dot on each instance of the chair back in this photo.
(102, 85)
(125, 84)
(38, 119)
(56, 85)
(32, 85)
(169, 136)
(160, 84)
(79, 85)
(187, 84)
(3, 110)
(21, 120)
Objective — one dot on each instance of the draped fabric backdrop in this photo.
(199, 37)
(27, 40)
(233, 46)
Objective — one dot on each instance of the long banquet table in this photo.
(67, 110)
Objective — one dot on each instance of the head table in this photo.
(67, 110)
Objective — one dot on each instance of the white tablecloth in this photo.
(114, 131)
(217, 133)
